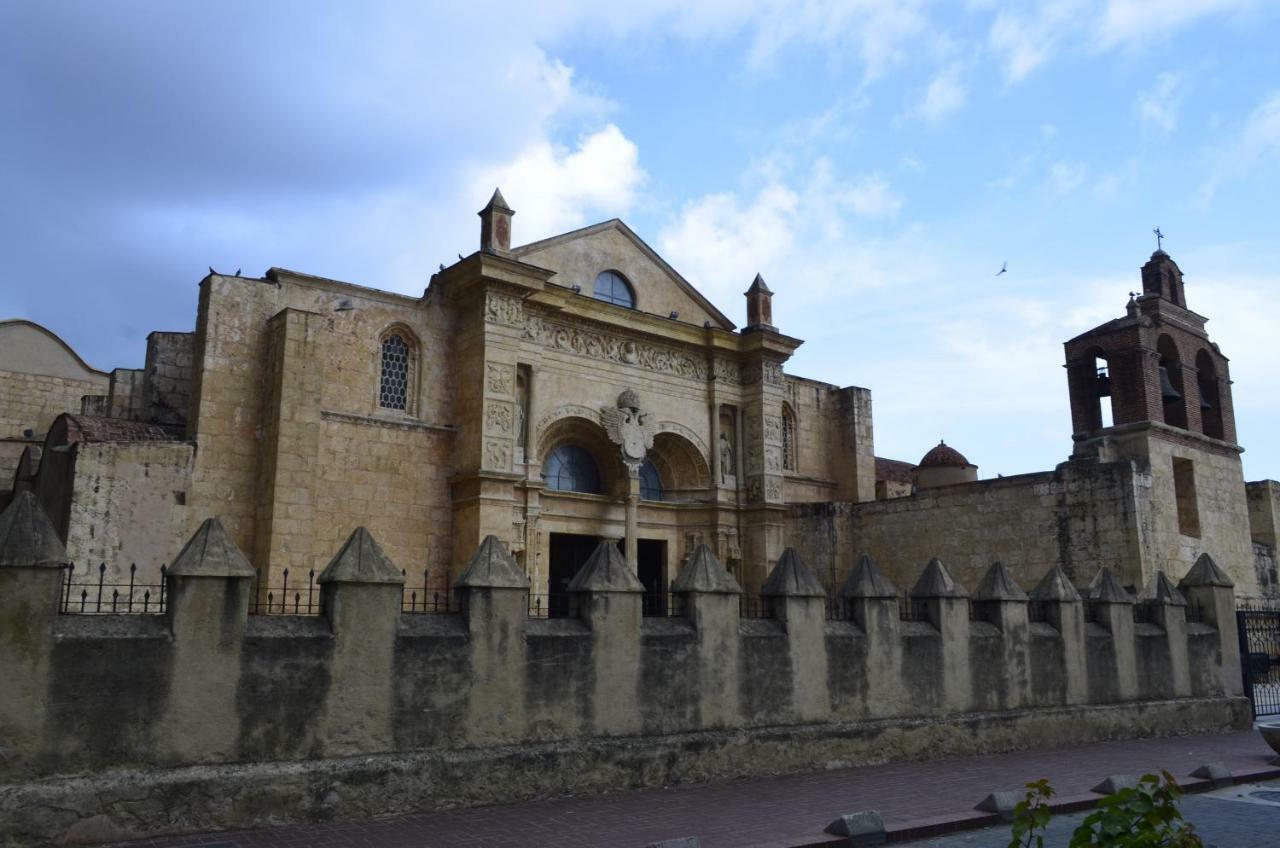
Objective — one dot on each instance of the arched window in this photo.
(396, 374)
(788, 438)
(570, 468)
(650, 482)
(1210, 402)
(612, 287)
(1171, 391)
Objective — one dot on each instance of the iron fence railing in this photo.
(661, 604)
(913, 609)
(301, 597)
(1258, 628)
(427, 599)
(753, 606)
(550, 605)
(91, 595)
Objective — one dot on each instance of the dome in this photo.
(943, 456)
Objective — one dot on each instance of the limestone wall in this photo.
(152, 699)
(835, 451)
(1263, 498)
(1080, 516)
(167, 379)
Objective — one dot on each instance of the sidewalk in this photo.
(915, 799)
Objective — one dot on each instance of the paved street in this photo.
(1222, 819)
(779, 812)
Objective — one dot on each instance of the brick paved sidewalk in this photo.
(778, 812)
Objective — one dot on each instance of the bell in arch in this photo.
(1167, 391)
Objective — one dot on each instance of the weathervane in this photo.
(1159, 238)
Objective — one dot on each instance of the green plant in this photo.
(1031, 816)
(1145, 816)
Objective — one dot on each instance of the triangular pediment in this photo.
(579, 256)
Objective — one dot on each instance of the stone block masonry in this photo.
(206, 717)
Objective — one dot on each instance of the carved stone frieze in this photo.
(497, 454)
(773, 429)
(595, 345)
(503, 309)
(728, 371)
(773, 459)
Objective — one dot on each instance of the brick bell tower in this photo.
(1151, 390)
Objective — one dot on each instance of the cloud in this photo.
(944, 96)
(1065, 177)
(1131, 22)
(1158, 108)
(1257, 141)
(558, 189)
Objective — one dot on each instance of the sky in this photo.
(878, 161)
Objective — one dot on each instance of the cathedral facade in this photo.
(579, 389)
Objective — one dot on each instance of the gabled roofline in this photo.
(619, 225)
(51, 334)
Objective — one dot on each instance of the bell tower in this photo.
(1156, 364)
(1151, 415)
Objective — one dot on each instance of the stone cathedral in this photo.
(579, 389)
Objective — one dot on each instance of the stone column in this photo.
(633, 523)
(32, 560)
(1169, 611)
(1006, 605)
(1208, 589)
(708, 597)
(872, 602)
(1113, 611)
(1064, 610)
(494, 594)
(713, 409)
(208, 605)
(361, 593)
(606, 594)
(948, 605)
(796, 598)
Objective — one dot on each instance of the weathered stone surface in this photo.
(937, 582)
(685, 842)
(1104, 589)
(27, 536)
(862, 828)
(1055, 586)
(211, 553)
(360, 561)
(492, 567)
(704, 573)
(1115, 783)
(1002, 802)
(792, 578)
(998, 585)
(1160, 590)
(1218, 773)
(606, 570)
(1205, 572)
(866, 581)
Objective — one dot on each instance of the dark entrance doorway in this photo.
(651, 561)
(569, 552)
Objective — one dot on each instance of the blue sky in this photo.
(876, 160)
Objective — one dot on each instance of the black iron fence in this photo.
(296, 596)
(753, 606)
(426, 599)
(1259, 632)
(913, 609)
(553, 605)
(84, 593)
(662, 604)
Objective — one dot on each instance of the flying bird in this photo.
(1004, 268)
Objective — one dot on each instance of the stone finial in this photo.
(704, 573)
(25, 474)
(27, 537)
(360, 561)
(866, 581)
(211, 553)
(1160, 590)
(998, 585)
(492, 567)
(792, 578)
(1105, 589)
(937, 582)
(1055, 586)
(1206, 573)
(495, 224)
(606, 570)
(759, 304)
(864, 828)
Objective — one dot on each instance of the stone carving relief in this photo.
(584, 342)
(498, 417)
(773, 489)
(773, 459)
(497, 454)
(728, 371)
(503, 309)
(629, 428)
(726, 459)
(773, 429)
(499, 378)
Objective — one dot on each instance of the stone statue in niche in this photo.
(726, 459)
(522, 414)
(629, 429)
